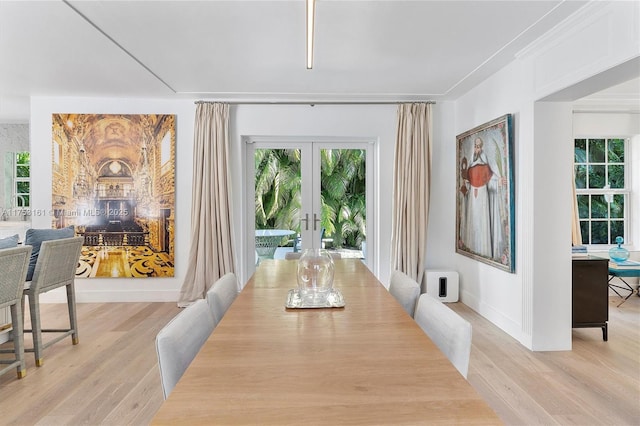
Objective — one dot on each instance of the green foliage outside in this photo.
(599, 162)
(343, 203)
(23, 185)
(277, 189)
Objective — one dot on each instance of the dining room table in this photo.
(365, 363)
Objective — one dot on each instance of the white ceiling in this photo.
(625, 96)
(365, 50)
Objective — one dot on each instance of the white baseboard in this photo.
(497, 318)
(106, 296)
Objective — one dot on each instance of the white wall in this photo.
(116, 289)
(534, 304)
(496, 294)
(442, 225)
(606, 124)
(376, 122)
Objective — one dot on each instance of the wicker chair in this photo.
(13, 264)
(56, 267)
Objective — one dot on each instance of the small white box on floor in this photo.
(443, 285)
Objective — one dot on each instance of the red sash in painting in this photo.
(479, 175)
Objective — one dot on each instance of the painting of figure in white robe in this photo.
(484, 210)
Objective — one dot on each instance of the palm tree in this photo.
(343, 196)
(277, 188)
(343, 203)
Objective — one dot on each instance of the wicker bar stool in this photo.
(13, 264)
(56, 267)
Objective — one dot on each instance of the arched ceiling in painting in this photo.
(108, 139)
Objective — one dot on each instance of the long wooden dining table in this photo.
(367, 363)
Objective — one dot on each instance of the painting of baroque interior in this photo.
(114, 182)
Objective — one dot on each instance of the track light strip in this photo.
(311, 11)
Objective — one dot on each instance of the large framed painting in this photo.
(114, 182)
(485, 211)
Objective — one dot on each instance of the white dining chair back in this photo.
(405, 289)
(13, 264)
(221, 295)
(180, 340)
(447, 329)
(55, 267)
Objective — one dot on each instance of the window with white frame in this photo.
(602, 188)
(21, 179)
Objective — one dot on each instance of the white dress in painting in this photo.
(483, 227)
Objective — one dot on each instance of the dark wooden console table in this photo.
(590, 300)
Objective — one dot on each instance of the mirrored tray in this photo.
(294, 301)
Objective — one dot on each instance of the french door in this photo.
(308, 194)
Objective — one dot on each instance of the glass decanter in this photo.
(619, 254)
(315, 276)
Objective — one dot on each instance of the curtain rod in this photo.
(312, 103)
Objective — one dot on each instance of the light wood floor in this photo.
(111, 377)
(596, 383)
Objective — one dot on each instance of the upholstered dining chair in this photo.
(13, 264)
(55, 267)
(405, 289)
(221, 295)
(449, 331)
(180, 340)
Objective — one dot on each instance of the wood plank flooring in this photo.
(596, 383)
(112, 378)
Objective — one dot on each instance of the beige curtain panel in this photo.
(412, 175)
(576, 233)
(211, 254)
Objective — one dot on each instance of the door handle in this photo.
(315, 222)
(306, 221)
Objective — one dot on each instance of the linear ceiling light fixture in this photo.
(311, 11)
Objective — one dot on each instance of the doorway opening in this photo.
(308, 194)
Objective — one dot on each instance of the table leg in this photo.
(627, 288)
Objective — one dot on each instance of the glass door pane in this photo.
(306, 194)
(278, 200)
(343, 201)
